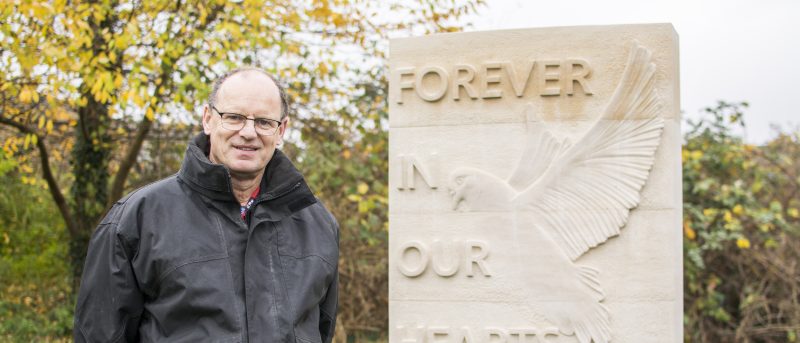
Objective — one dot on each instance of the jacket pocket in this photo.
(195, 303)
(303, 340)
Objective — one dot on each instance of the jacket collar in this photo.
(282, 187)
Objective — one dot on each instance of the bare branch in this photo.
(118, 186)
(47, 173)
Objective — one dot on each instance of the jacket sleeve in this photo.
(109, 303)
(327, 309)
(330, 304)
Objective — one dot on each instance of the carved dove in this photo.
(575, 197)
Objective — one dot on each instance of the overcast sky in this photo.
(730, 50)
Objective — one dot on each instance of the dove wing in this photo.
(541, 148)
(585, 196)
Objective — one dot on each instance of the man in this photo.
(233, 248)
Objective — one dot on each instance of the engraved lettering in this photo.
(496, 335)
(409, 167)
(411, 334)
(403, 85)
(464, 81)
(519, 83)
(491, 80)
(439, 87)
(488, 80)
(543, 333)
(522, 334)
(547, 75)
(446, 258)
(417, 267)
(538, 335)
(572, 76)
(437, 332)
(466, 336)
(477, 257)
(445, 264)
(417, 333)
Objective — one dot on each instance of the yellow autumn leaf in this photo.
(338, 20)
(137, 100)
(362, 188)
(121, 42)
(203, 13)
(346, 154)
(757, 185)
(793, 212)
(743, 243)
(728, 217)
(688, 231)
(323, 69)
(118, 81)
(738, 210)
(697, 154)
(25, 95)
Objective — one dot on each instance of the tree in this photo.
(741, 233)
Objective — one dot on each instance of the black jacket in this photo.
(174, 262)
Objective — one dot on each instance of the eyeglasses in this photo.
(235, 122)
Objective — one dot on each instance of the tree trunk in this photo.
(90, 157)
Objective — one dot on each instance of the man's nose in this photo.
(249, 129)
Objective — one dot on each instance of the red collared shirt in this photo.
(246, 207)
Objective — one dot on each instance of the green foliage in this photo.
(741, 232)
(35, 296)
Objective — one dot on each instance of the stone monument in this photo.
(535, 186)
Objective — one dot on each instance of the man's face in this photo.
(244, 152)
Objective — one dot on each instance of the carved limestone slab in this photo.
(535, 186)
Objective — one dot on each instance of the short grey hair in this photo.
(212, 97)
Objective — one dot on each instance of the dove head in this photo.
(478, 190)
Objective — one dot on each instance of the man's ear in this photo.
(207, 119)
(282, 129)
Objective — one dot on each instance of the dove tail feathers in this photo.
(593, 324)
(590, 277)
